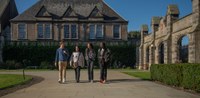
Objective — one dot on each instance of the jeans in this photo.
(90, 67)
(77, 73)
(103, 71)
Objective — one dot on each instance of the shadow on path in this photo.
(35, 80)
(125, 80)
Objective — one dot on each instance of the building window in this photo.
(116, 32)
(66, 31)
(22, 31)
(70, 31)
(47, 31)
(92, 31)
(99, 31)
(44, 31)
(96, 31)
(73, 31)
(40, 31)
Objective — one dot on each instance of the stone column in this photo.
(141, 58)
(175, 52)
(191, 48)
(151, 55)
(142, 54)
(144, 59)
(156, 60)
(166, 51)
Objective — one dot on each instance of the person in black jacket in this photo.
(90, 56)
(103, 58)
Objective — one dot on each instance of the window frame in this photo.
(95, 31)
(26, 34)
(70, 30)
(120, 31)
(44, 30)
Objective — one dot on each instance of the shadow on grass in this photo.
(34, 80)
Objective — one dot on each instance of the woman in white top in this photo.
(76, 62)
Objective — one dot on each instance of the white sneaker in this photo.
(91, 81)
(59, 81)
(64, 81)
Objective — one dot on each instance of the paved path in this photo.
(119, 86)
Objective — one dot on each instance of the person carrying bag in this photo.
(76, 62)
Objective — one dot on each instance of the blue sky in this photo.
(137, 12)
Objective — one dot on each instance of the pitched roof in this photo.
(70, 13)
(83, 8)
(43, 13)
(3, 5)
(96, 13)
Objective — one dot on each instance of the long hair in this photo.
(91, 45)
(77, 47)
(104, 45)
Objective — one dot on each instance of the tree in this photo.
(134, 34)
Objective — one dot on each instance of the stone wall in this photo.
(170, 31)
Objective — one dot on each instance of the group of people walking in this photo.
(77, 61)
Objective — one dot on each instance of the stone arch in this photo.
(183, 49)
(161, 50)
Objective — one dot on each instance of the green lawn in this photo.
(145, 75)
(10, 80)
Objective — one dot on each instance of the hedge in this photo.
(38, 54)
(180, 75)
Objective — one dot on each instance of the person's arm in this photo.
(86, 56)
(108, 54)
(98, 54)
(82, 60)
(94, 55)
(71, 60)
(67, 54)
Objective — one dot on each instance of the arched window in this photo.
(161, 53)
(183, 49)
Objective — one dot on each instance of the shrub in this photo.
(10, 64)
(18, 65)
(191, 77)
(37, 54)
(46, 65)
(181, 75)
(3, 66)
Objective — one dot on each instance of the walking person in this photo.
(90, 56)
(76, 62)
(103, 58)
(61, 60)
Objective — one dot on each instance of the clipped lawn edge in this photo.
(18, 84)
(136, 76)
(14, 88)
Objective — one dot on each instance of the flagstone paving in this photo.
(119, 86)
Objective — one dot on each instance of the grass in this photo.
(10, 80)
(144, 75)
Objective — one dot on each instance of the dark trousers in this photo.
(90, 67)
(103, 71)
(77, 73)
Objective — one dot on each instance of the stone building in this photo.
(8, 11)
(71, 20)
(165, 44)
